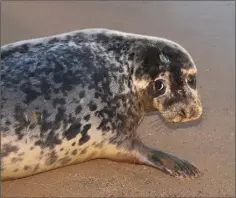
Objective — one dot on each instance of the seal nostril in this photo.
(192, 113)
(183, 112)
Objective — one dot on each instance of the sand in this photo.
(206, 30)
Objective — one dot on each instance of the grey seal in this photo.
(81, 95)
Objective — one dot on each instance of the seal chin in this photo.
(180, 119)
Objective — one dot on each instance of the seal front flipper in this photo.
(166, 162)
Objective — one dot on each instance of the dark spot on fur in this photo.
(38, 143)
(31, 94)
(7, 149)
(32, 126)
(60, 116)
(59, 68)
(82, 94)
(18, 131)
(78, 109)
(61, 149)
(131, 57)
(87, 117)
(45, 88)
(70, 79)
(92, 106)
(103, 125)
(73, 144)
(96, 95)
(83, 151)
(26, 167)
(16, 170)
(74, 152)
(72, 119)
(86, 128)
(32, 147)
(8, 122)
(51, 158)
(73, 131)
(52, 140)
(84, 139)
(4, 129)
(53, 40)
(36, 168)
(85, 136)
(65, 160)
(21, 120)
(60, 101)
(15, 159)
(20, 154)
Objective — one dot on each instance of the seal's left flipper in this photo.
(166, 162)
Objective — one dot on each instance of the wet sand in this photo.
(206, 30)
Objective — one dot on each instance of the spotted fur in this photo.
(81, 95)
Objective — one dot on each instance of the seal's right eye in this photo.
(156, 88)
(158, 85)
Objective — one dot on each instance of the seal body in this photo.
(81, 95)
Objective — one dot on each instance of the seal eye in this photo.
(156, 88)
(192, 81)
(158, 85)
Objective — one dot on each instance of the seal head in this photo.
(168, 85)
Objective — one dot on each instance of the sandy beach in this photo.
(207, 31)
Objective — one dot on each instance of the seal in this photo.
(81, 95)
